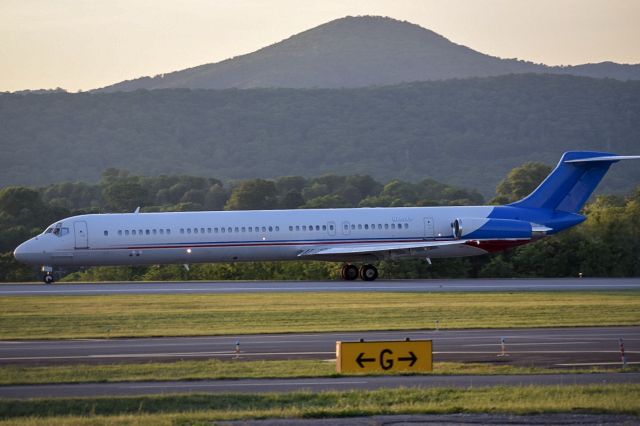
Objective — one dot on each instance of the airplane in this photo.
(349, 235)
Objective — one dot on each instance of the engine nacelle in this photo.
(486, 228)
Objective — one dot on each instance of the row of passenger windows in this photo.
(229, 230)
(372, 226)
(141, 232)
(244, 229)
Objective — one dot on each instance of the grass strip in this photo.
(56, 317)
(216, 369)
(202, 408)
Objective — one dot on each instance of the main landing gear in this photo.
(365, 273)
(47, 277)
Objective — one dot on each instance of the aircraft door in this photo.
(82, 238)
(346, 228)
(331, 228)
(428, 228)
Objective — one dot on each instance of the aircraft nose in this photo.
(24, 253)
(20, 253)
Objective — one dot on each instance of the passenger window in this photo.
(277, 229)
(353, 227)
(317, 227)
(331, 227)
(264, 229)
(304, 227)
(208, 230)
(148, 232)
(359, 226)
(251, 229)
(126, 232)
(155, 231)
(379, 226)
(215, 230)
(182, 230)
(406, 226)
(297, 227)
(290, 228)
(139, 231)
(168, 231)
(202, 230)
(393, 226)
(223, 230)
(188, 230)
(271, 229)
(161, 231)
(229, 230)
(386, 226)
(366, 226)
(133, 232)
(324, 227)
(195, 230)
(346, 226)
(237, 229)
(244, 229)
(106, 233)
(120, 232)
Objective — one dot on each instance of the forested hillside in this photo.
(463, 132)
(358, 51)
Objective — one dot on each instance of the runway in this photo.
(228, 287)
(314, 385)
(549, 347)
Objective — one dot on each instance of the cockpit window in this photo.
(48, 231)
(58, 230)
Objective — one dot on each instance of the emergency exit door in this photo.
(428, 228)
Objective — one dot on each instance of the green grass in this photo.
(202, 409)
(55, 317)
(216, 369)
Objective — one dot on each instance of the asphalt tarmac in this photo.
(313, 384)
(218, 287)
(548, 347)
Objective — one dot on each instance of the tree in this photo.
(520, 182)
(125, 196)
(255, 194)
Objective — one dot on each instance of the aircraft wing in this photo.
(381, 250)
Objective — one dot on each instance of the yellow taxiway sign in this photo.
(382, 357)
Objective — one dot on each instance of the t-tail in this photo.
(557, 201)
(572, 182)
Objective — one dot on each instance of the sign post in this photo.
(384, 357)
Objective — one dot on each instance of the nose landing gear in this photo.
(365, 273)
(48, 275)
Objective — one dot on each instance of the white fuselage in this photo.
(236, 236)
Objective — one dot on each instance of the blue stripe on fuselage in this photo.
(556, 220)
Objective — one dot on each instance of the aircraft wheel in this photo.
(349, 272)
(48, 279)
(368, 272)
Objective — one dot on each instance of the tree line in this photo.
(449, 130)
(607, 244)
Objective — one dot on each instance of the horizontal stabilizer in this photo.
(605, 158)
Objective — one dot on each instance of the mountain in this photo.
(357, 52)
(468, 133)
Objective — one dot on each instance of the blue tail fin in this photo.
(570, 184)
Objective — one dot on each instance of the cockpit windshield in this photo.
(58, 230)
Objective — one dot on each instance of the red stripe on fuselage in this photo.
(493, 246)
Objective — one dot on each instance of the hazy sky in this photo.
(84, 44)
